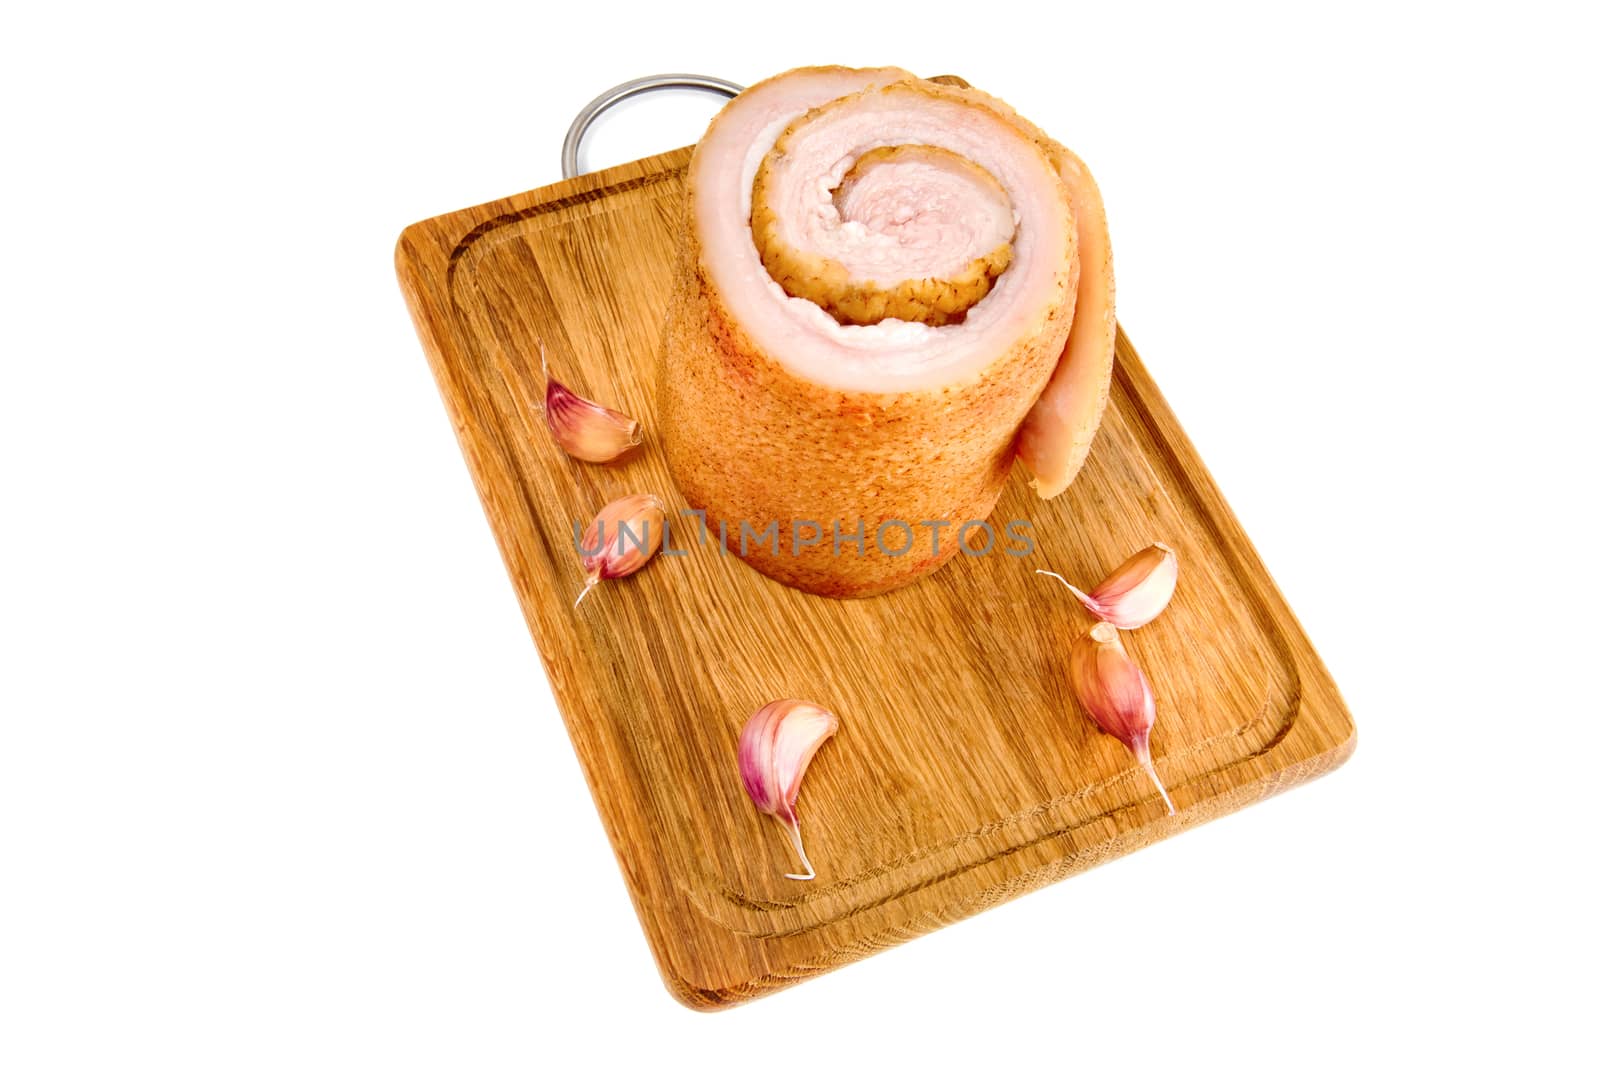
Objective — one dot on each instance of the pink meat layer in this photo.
(921, 217)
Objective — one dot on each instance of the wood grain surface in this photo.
(963, 773)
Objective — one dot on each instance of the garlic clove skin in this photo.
(621, 539)
(1134, 593)
(1116, 694)
(585, 430)
(775, 748)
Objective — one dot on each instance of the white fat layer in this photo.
(892, 355)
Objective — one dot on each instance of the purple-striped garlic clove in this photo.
(585, 430)
(1116, 694)
(1135, 592)
(623, 537)
(775, 748)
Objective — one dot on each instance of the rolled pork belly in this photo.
(887, 289)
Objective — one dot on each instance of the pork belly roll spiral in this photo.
(887, 289)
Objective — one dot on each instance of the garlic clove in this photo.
(623, 537)
(585, 430)
(1116, 694)
(775, 748)
(1134, 593)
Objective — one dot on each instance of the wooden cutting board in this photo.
(963, 774)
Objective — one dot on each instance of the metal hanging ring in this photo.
(618, 93)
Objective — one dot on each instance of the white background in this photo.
(280, 777)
